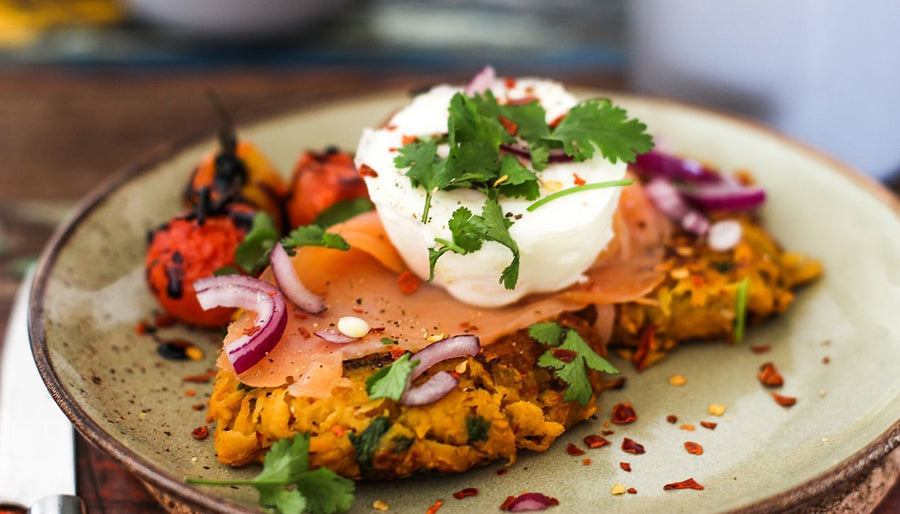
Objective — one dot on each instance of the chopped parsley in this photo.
(287, 485)
(390, 381)
(573, 372)
(740, 309)
(478, 128)
(252, 255)
(478, 428)
(388, 340)
(367, 442)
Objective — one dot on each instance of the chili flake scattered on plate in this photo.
(677, 380)
(574, 450)
(760, 348)
(595, 441)
(769, 376)
(434, 508)
(689, 428)
(671, 418)
(784, 401)
(693, 447)
(690, 483)
(623, 414)
(632, 490)
(625, 466)
(630, 446)
(708, 424)
(465, 493)
(200, 432)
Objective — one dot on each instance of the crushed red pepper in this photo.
(198, 406)
(200, 432)
(760, 348)
(509, 125)
(196, 379)
(507, 502)
(671, 418)
(366, 171)
(408, 282)
(708, 424)
(623, 414)
(190, 392)
(578, 180)
(630, 446)
(574, 450)
(825, 360)
(684, 484)
(693, 447)
(632, 490)
(608, 432)
(502, 471)
(468, 492)
(595, 441)
(564, 355)
(586, 462)
(769, 376)
(784, 401)
(434, 508)
(626, 466)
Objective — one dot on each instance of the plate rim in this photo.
(152, 476)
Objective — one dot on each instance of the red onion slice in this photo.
(482, 81)
(252, 294)
(531, 501)
(655, 164)
(667, 198)
(450, 348)
(333, 336)
(725, 196)
(521, 149)
(431, 391)
(290, 284)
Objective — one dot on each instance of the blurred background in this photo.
(86, 86)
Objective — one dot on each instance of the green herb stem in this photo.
(451, 245)
(577, 189)
(740, 308)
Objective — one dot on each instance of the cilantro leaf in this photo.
(425, 169)
(573, 373)
(598, 124)
(498, 230)
(549, 333)
(287, 485)
(520, 181)
(325, 491)
(390, 381)
(313, 235)
(467, 229)
(252, 255)
(531, 127)
(342, 211)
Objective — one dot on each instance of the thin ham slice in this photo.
(362, 282)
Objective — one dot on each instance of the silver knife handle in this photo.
(58, 504)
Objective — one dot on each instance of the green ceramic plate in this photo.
(90, 294)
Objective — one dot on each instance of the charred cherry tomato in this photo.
(184, 250)
(319, 181)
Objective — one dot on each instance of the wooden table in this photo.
(63, 132)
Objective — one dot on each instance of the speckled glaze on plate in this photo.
(89, 295)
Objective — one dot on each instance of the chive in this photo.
(576, 189)
(740, 308)
(388, 340)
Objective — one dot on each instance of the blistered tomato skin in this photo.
(183, 251)
(319, 181)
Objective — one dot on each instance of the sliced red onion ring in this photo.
(333, 336)
(725, 196)
(658, 164)
(290, 284)
(450, 348)
(531, 501)
(253, 295)
(521, 149)
(724, 235)
(431, 391)
(482, 81)
(667, 198)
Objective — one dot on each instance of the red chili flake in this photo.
(685, 484)
(629, 446)
(697, 280)
(623, 414)
(769, 376)
(525, 100)
(645, 345)
(574, 450)
(586, 462)
(510, 82)
(507, 502)
(564, 355)
(190, 392)
(626, 466)
(338, 430)
(693, 447)
(198, 406)
(377, 329)
(595, 441)
(578, 180)
(671, 418)
(366, 171)
(465, 493)
(502, 471)
(141, 328)
(196, 379)
(825, 360)
(408, 282)
(509, 125)
(632, 490)
(252, 330)
(689, 428)
(784, 401)
(304, 332)
(358, 310)
(409, 139)
(760, 348)
(556, 121)
(434, 508)
(396, 352)
(608, 432)
(200, 432)
(708, 424)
